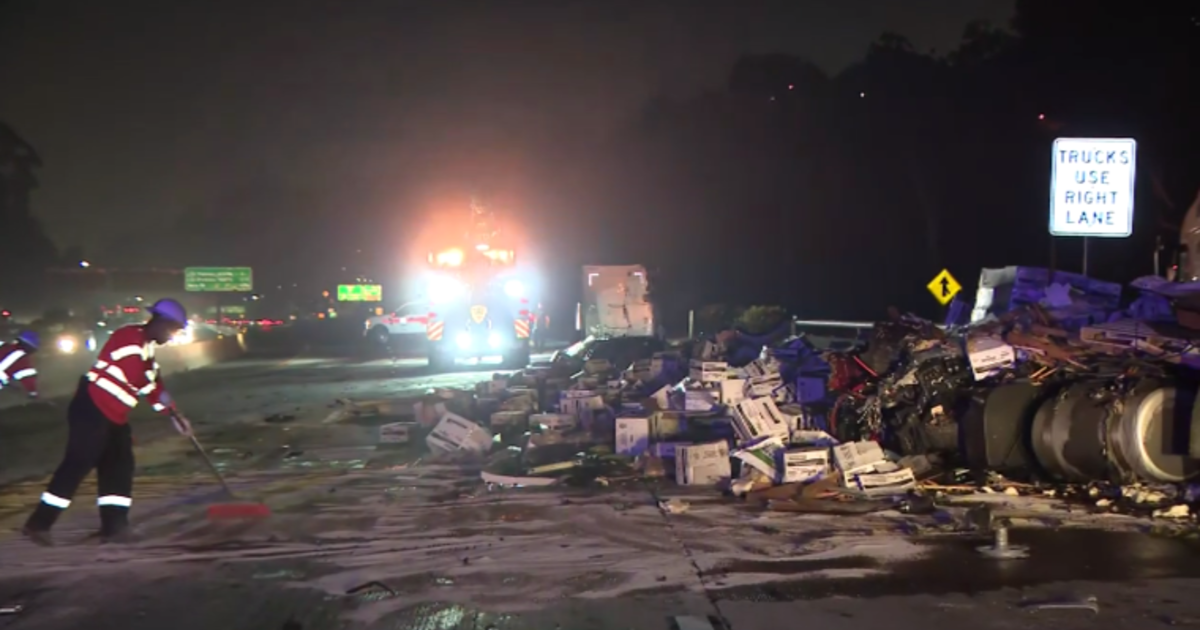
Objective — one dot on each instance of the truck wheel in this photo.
(380, 336)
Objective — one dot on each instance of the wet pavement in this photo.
(368, 537)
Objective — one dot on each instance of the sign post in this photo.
(1091, 188)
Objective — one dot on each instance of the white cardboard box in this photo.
(395, 433)
(708, 371)
(733, 391)
(885, 483)
(803, 464)
(702, 464)
(756, 418)
(632, 436)
(854, 457)
(456, 433)
(988, 355)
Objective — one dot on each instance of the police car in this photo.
(409, 319)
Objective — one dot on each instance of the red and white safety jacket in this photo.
(17, 365)
(124, 370)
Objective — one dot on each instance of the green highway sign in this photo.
(360, 293)
(218, 279)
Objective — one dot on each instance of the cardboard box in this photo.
(803, 465)
(667, 425)
(855, 457)
(885, 483)
(756, 418)
(508, 418)
(761, 455)
(581, 405)
(396, 432)
(708, 371)
(667, 450)
(632, 436)
(553, 421)
(989, 355)
(733, 391)
(456, 433)
(702, 464)
(699, 400)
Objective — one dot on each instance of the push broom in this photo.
(234, 509)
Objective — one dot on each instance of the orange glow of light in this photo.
(450, 258)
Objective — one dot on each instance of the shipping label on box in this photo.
(810, 390)
(856, 457)
(885, 483)
(733, 391)
(803, 465)
(702, 464)
(756, 418)
(395, 433)
(456, 433)
(708, 371)
(632, 436)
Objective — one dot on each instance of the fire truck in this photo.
(480, 301)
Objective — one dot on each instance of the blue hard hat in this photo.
(170, 310)
(29, 338)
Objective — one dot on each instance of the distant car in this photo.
(66, 336)
(409, 319)
(619, 351)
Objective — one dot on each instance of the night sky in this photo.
(146, 111)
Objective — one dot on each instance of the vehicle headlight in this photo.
(463, 340)
(187, 335)
(494, 340)
(444, 289)
(67, 345)
(514, 288)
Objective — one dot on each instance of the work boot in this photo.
(39, 537)
(121, 535)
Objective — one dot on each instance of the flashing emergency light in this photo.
(444, 289)
(463, 340)
(514, 289)
(450, 258)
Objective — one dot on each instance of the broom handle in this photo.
(216, 473)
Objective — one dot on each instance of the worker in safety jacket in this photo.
(98, 433)
(16, 362)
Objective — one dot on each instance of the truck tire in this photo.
(379, 335)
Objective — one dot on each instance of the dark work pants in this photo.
(93, 441)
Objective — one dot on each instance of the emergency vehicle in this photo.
(479, 298)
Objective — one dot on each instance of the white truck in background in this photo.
(615, 302)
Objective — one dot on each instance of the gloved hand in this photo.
(181, 425)
(164, 399)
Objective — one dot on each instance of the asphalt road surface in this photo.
(366, 536)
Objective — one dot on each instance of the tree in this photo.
(25, 249)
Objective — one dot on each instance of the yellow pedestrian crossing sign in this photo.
(944, 287)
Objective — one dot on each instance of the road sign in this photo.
(217, 279)
(360, 293)
(1092, 186)
(944, 287)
